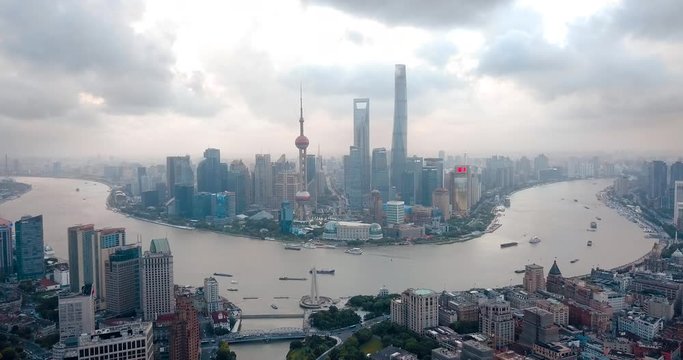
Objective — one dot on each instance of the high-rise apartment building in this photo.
(132, 341)
(263, 181)
(108, 240)
(541, 162)
(184, 335)
(439, 165)
(395, 212)
(89, 249)
(178, 172)
(29, 248)
(441, 199)
(534, 278)
(353, 178)
(429, 183)
(209, 172)
(122, 280)
(286, 185)
(380, 173)
(361, 140)
(678, 205)
(6, 249)
(76, 313)
(412, 180)
(657, 182)
(239, 182)
(495, 322)
(417, 309)
(156, 280)
(465, 189)
(211, 295)
(399, 140)
(82, 256)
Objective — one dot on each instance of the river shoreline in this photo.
(17, 195)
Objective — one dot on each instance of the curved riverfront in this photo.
(548, 212)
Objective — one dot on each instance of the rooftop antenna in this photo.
(466, 159)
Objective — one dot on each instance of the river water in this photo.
(548, 211)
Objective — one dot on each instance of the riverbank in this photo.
(12, 190)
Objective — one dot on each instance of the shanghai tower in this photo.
(399, 141)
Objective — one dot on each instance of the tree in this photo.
(224, 352)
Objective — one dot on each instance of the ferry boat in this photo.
(505, 245)
(594, 225)
(293, 247)
(589, 243)
(520, 271)
(322, 271)
(535, 240)
(354, 251)
(573, 261)
(273, 306)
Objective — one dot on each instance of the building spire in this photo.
(301, 109)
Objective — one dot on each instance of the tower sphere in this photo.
(301, 142)
(302, 196)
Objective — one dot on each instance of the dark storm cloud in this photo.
(430, 14)
(92, 48)
(594, 75)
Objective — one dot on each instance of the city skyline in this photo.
(499, 75)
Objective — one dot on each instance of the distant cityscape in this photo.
(110, 299)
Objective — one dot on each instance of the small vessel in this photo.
(506, 201)
(322, 271)
(280, 297)
(354, 251)
(292, 247)
(534, 240)
(586, 207)
(273, 306)
(222, 274)
(576, 200)
(250, 298)
(508, 244)
(520, 271)
(598, 218)
(233, 289)
(284, 278)
(589, 243)
(269, 238)
(594, 225)
(77, 189)
(573, 261)
(328, 246)
(233, 281)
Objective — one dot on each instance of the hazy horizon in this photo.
(143, 80)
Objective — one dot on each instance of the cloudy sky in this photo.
(157, 77)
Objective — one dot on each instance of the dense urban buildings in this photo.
(185, 334)
(495, 321)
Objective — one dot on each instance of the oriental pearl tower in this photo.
(302, 196)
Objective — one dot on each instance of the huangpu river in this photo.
(547, 211)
